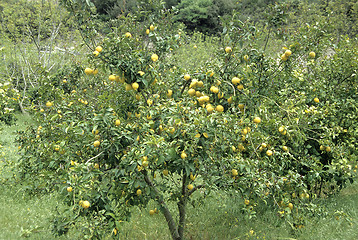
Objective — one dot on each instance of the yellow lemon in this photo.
(86, 204)
(219, 108)
(257, 120)
(99, 49)
(187, 77)
(228, 49)
(312, 54)
(88, 71)
(96, 143)
(288, 53)
(235, 80)
(169, 93)
(111, 78)
(135, 85)
(191, 92)
(154, 57)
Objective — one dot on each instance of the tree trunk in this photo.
(168, 216)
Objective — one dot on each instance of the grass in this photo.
(217, 217)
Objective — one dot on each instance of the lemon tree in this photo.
(128, 126)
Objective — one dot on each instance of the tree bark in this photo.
(182, 207)
(168, 216)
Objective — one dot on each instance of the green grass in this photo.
(217, 217)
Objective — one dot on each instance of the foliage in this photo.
(29, 20)
(273, 131)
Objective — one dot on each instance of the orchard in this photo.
(131, 125)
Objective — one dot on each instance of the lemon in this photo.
(169, 93)
(246, 58)
(229, 100)
(269, 153)
(210, 109)
(288, 53)
(135, 85)
(69, 189)
(312, 54)
(152, 27)
(111, 78)
(285, 148)
(165, 172)
(235, 80)
(99, 49)
(234, 172)
(228, 49)
(316, 100)
(95, 53)
(96, 143)
(147, 31)
(191, 92)
(290, 206)
(219, 108)
(257, 120)
(281, 129)
(49, 104)
(183, 155)
(154, 57)
(284, 57)
(139, 192)
(128, 35)
(151, 212)
(86, 204)
(187, 77)
(214, 89)
(118, 122)
(190, 186)
(200, 84)
(247, 201)
(145, 163)
(88, 71)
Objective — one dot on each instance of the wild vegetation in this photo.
(150, 113)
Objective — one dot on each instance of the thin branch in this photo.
(94, 157)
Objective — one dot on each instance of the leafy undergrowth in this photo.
(218, 217)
